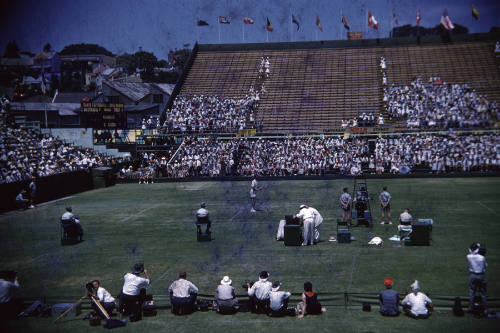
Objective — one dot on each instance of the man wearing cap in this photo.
(69, 217)
(278, 300)
(183, 293)
(130, 298)
(202, 218)
(415, 303)
(307, 216)
(389, 299)
(259, 293)
(225, 297)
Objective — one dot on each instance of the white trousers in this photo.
(308, 232)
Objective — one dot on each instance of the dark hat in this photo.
(264, 275)
(138, 269)
(203, 204)
(69, 209)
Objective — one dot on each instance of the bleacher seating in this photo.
(312, 90)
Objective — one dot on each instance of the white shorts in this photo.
(253, 194)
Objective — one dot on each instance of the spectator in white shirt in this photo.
(72, 219)
(104, 297)
(132, 296)
(477, 279)
(278, 301)
(9, 307)
(225, 300)
(202, 218)
(416, 303)
(259, 293)
(183, 294)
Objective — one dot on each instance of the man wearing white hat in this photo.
(225, 297)
(308, 217)
(416, 303)
(278, 300)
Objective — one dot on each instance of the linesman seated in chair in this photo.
(202, 218)
(405, 220)
(71, 224)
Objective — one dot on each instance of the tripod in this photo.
(92, 299)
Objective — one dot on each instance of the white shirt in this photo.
(306, 214)
(104, 295)
(133, 284)
(253, 189)
(261, 289)
(67, 216)
(6, 288)
(277, 298)
(477, 263)
(202, 212)
(182, 288)
(405, 217)
(318, 219)
(417, 303)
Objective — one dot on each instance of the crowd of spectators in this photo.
(25, 153)
(437, 104)
(336, 155)
(201, 114)
(204, 157)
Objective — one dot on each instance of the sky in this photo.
(161, 25)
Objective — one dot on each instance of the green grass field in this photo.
(153, 224)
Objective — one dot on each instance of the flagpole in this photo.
(219, 29)
(341, 23)
(243, 32)
(267, 35)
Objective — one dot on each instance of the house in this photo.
(140, 99)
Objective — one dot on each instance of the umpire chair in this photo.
(69, 232)
(200, 235)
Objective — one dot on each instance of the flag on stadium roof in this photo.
(475, 12)
(201, 23)
(318, 23)
(446, 21)
(372, 22)
(269, 25)
(345, 22)
(294, 20)
(247, 20)
(394, 17)
(419, 16)
(223, 20)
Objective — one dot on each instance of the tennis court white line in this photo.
(488, 208)
(138, 213)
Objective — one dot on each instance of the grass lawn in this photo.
(153, 224)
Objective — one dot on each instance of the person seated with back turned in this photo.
(202, 218)
(259, 293)
(132, 294)
(310, 303)
(278, 301)
(405, 220)
(389, 299)
(104, 297)
(9, 307)
(69, 218)
(183, 294)
(225, 300)
(416, 304)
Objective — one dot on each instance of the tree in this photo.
(84, 48)
(145, 61)
(414, 31)
(47, 47)
(11, 50)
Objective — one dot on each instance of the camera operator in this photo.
(130, 298)
(477, 278)
(9, 307)
(104, 297)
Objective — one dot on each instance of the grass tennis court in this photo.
(154, 224)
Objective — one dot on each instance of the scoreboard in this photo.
(103, 115)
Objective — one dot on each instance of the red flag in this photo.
(419, 17)
(446, 21)
(247, 20)
(269, 25)
(372, 22)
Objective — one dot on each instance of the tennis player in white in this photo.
(253, 192)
